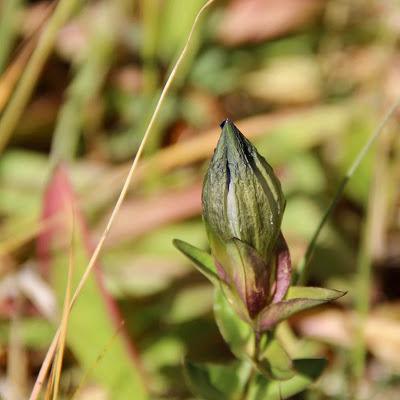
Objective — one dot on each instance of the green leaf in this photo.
(217, 382)
(237, 333)
(278, 312)
(95, 318)
(275, 362)
(202, 260)
(308, 370)
(314, 293)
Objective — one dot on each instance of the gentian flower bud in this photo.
(243, 205)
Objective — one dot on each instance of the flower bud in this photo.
(243, 206)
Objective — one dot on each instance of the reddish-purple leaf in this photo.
(283, 269)
(278, 312)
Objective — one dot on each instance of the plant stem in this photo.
(257, 339)
(301, 276)
(256, 357)
(87, 82)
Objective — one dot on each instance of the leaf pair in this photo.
(296, 299)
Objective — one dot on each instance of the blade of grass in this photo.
(374, 227)
(87, 82)
(8, 28)
(58, 359)
(35, 65)
(301, 275)
(10, 76)
(95, 255)
(151, 11)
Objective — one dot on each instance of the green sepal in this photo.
(202, 260)
(277, 312)
(307, 371)
(217, 382)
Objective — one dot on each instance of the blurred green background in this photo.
(306, 80)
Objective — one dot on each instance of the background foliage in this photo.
(306, 80)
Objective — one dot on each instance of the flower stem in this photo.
(256, 357)
(257, 340)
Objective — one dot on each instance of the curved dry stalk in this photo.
(96, 253)
(58, 359)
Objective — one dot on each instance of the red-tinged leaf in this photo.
(256, 275)
(95, 317)
(278, 312)
(283, 269)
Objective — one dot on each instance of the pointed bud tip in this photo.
(230, 134)
(222, 124)
(228, 123)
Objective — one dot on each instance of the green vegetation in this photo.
(309, 83)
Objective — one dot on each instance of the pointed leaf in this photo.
(315, 293)
(308, 370)
(202, 260)
(236, 333)
(216, 382)
(278, 312)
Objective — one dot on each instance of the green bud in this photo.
(243, 206)
(250, 262)
(242, 197)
